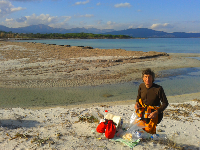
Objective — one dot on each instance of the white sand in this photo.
(59, 127)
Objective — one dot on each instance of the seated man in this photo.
(148, 103)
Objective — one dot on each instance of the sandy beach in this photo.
(61, 128)
(34, 65)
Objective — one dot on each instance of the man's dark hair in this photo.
(148, 71)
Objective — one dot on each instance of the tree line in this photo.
(62, 36)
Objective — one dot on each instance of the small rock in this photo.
(107, 95)
(159, 130)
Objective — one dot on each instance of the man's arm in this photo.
(137, 105)
(164, 101)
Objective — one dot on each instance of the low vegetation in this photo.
(61, 36)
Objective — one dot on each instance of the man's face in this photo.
(148, 80)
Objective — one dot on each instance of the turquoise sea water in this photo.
(168, 45)
(181, 81)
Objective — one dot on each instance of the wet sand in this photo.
(37, 75)
(36, 65)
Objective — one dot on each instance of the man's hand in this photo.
(137, 105)
(153, 115)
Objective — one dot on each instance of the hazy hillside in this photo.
(149, 33)
(138, 32)
(46, 29)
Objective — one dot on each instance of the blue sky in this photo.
(161, 15)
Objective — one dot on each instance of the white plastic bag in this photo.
(134, 118)
(135, 131)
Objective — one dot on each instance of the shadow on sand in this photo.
(14, 124)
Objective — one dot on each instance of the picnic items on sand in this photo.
(101, 127)
(116, 119)
(109, 125)
(108, 128)
(113, 125)
(127, 132)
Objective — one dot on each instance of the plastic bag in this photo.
(141, 134)
(134, 118)
(134, 130)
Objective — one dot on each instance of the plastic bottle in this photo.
(105, 114)
(155, 137)
(121, 123)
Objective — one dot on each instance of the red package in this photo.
(101, 127)
(110, 130)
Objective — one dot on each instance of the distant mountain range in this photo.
(43, 29)
(149, 33)
(138, 32)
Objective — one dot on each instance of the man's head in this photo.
(148, 77)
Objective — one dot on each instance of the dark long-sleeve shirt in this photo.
(153, 96)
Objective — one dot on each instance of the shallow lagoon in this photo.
(176, 82)
(168, 45)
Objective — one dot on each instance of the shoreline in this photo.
(172, 100)
(39, 99)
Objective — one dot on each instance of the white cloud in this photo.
(25, 0)
(122, 5)
(7, 8)
(17, 9)
(67, 18)
(22, 19)
(114, 25)
(110, 23)
(8, 20)
(82, 23)
(166, 27)
(99, 21)
(130, 27)
(45, 19)
(98, 4)
(140, 26)
(5, 4)
(158, 26)
(63, 25)
(41, 19)
(82, 2)
(87, 15)
(133, 26)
